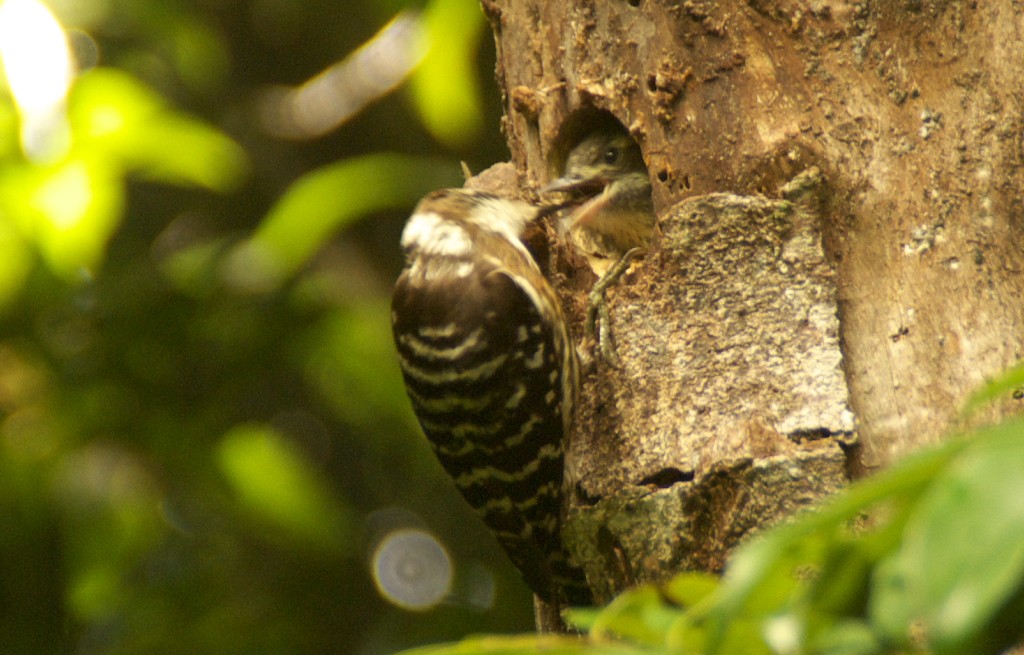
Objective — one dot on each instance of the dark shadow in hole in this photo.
(667, 477)
(575, 128)
(583, 498)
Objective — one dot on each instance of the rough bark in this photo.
(838, 188)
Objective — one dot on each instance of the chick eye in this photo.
(611, 155)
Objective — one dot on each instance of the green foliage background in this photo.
(202, 426)
(927, 557)
(203, 433)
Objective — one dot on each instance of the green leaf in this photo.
(445, 85)
(194, 269)
(745, 636)
(95, 591)
(9, 144)
(68, 209)
(962, 556)
(1008, 382)
(526, 645)
(115, 115)
(639, 615)
(847, 637)
(350, 359)
(16, 262)
(324, 201)
(688, 589)
(889, 611)
(842, 586)
(762, 576)
(276, 485)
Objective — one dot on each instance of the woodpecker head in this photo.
(446, 222)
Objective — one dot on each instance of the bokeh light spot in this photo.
(412, 569)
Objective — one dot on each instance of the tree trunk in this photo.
(841, 261)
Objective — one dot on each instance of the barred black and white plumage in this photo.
(491, 372)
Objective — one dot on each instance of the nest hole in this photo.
(577, 127)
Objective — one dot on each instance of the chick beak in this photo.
(581, 187)
(585, 194)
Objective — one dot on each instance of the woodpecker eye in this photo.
(611, 155)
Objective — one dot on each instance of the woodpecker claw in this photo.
(598, 319)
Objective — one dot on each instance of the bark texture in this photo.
(838, 186)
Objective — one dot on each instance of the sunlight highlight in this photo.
(39, 69)
(338, 93)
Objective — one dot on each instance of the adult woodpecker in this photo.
(614, 217)
(490, 368)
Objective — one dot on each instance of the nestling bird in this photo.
(490, 367)
(614, 218)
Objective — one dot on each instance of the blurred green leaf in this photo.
(193, 269)
(759, 562)
(445, 85)
(135, 517)
(114, 114)
(847, 567)
(16, 263)
(889, 613)
(274, 482)
(350, 359)
(962, 555)
(527, 645)
(68, 209)
(780, 572)
(1008, 382)
(198, 52)
(846, 637)
(745, 636)
(111, 504)
(9, 144)
(639, 615)
(582, 618)
(688, 589)
(325, 201)
(96, 591)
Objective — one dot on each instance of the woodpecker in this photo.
(614, 219)
(490, 368)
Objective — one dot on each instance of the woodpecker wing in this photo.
(485, 354)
